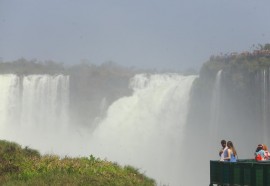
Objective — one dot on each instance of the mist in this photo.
(168, 125)
(137, 120)
(144, 129)
(133, 82)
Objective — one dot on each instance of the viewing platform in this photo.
(246, 172)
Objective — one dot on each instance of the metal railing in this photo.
(246, 172)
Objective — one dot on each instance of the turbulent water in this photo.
(145, 130)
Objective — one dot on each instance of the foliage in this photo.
(244, 62)
(24, 166)
(26, 67)
(241, 78)
(238, 68)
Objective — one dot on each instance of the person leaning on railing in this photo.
(222, 150)
(260, 153)
(231, 154)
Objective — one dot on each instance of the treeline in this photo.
(244, 62)
(26, 67)
(239, 70)
(92, 87)
(23, 66)
(244, 80)
(261, 51)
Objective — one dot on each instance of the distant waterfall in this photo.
(32, 107)
(147, 129)
(44, 101)
(9, 99)
(265, 103)
(216, 104)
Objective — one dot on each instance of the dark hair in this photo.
(259, 147)
(223, 141)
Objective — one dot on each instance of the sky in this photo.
(151, 34)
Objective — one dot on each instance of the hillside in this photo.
(25, 166)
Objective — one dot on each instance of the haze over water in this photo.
(145, 130)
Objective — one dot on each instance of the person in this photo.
(266, 152)
(259, 153)
(223, 149)
(231, 154)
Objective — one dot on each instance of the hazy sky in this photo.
(161, 34)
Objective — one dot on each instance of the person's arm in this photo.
(266, 155)
(263, 155)
(220, 152)
(229, 155)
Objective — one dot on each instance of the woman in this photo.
(231, 154)
(266, 152)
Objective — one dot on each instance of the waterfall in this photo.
(146, 130)
(44, 101)
(216, 105)
(265, 97)
(33, 108)
(9, 99)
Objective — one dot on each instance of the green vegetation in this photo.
(244, 62)
(242, 80)
(25, 166)
(239, 69)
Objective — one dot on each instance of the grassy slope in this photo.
(24, 166)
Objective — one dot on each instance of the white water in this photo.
(9, 98)
(265, 104)
(216, 106)
(145, 130)
(34, 109)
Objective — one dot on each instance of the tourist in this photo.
(266, 152)
(259, 153)
(222, 150)
(231, 154)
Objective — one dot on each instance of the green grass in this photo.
(24, 166)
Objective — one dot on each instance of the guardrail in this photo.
(246, 172)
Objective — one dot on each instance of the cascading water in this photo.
(9, 99)
(265, 97)
(146, 130)
(216, 105)
(34, 109)
(44, 101)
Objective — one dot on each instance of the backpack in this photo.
(258, 157)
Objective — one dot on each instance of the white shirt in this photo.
(222, 155)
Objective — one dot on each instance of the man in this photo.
(223, 150)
